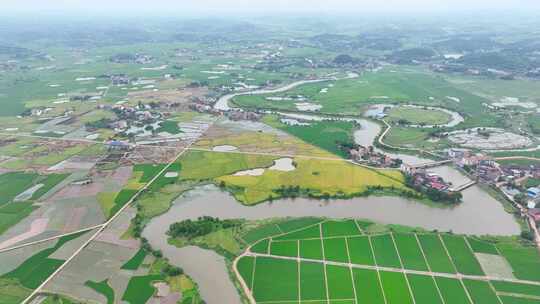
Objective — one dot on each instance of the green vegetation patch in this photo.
(103, 288)
(424, 289)
(169, 126)
(368, 287)
(480, 292)
(284, 248)
(360, 250)
(385, 251)
(13, 213)
(410, 252)
(297, 223)
(335, 249)
(340, 228)
(418, 116)
(516, 288)
(311, 249)
(261, 247)
(339, 282)
(135, 262)
(462, 255)
(312, 281)
(261, 232)
(306, 233)
(524, 260)
(452, 291)
(245, 268)
(140, 288)
(14, 183)
(395, 288)
(482, 246)
(275, 280)
(436, 255)
(199, 165)
(327, 135)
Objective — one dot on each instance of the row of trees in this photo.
(202, 226)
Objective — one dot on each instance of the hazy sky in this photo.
(264, 6)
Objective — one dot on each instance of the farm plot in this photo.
(462, 255)
(30, 273)
(349, 264)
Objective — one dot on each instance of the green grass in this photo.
(452, 291)
(436, 256)
(368, 288)
(339, 282)
(419, 116)
(327, 135)
(510, 287)
(120, 200)
(409, 251)
(49, 181)
(480, 292)
(140, 289)
(307, 233)
(312, 281)
(482, 246)
(360, 250)
(169, 126)
(311, 249)
(103, 288)
(135, 262)
(297, 223)
(284, 248)
(261, 247)
(340, 228)
(275, 280)
(148, 170)
(12, 291)
(525, 261)
(13, 213)
(385, 251)
(261, 232)
(395, 288)
(424, 289)
(335, 249)
(411, 137)
(462, 256)
(14, 183)
(245, 268)
(209, 165)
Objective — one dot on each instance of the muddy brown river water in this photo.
(475, 215)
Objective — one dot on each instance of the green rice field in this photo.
(332, 261)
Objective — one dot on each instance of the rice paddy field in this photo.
(348, 261)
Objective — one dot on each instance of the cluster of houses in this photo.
(203, 107)
(422, 178)
(373, 158)
(513, 179)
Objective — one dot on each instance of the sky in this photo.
(263, 6)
